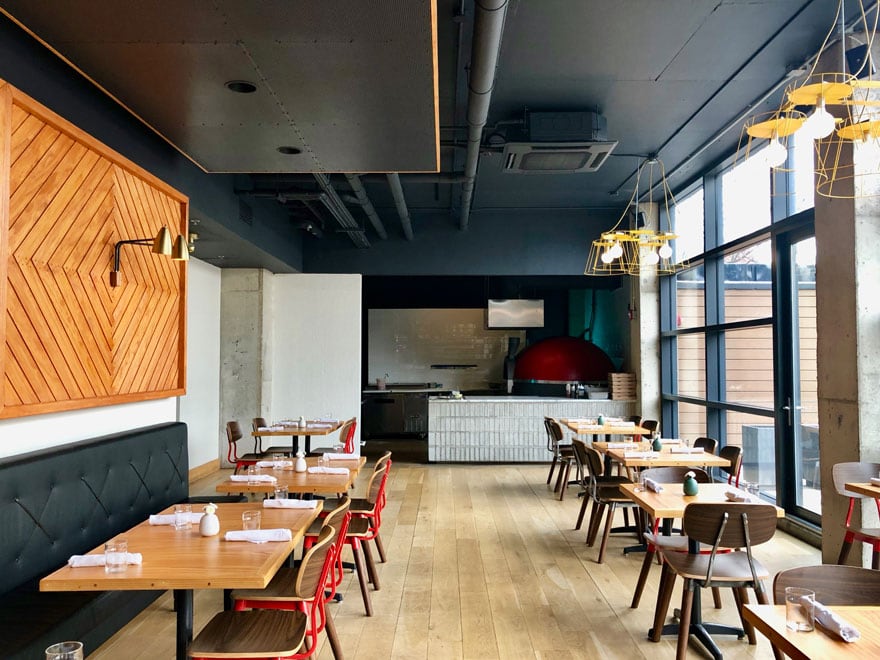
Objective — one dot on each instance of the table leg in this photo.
(308, 444)
(183, 604)
(294, 445)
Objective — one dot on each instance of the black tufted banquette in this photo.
(67, 500)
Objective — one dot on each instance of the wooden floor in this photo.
(483, 562)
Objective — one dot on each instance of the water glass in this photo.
(250, 520)
(182, 516)
(277, 459)
(252, 472)
(65, 651)
(799, 608)
(116, 555)
(280, 492)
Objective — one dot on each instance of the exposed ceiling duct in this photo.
(400, 202)
(358, 188)
(488, 28)
(340, 212)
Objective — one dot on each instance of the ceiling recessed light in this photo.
(241, 86)
(289, 151)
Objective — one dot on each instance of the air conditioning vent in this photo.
(555, 157)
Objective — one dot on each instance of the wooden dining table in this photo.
(668, 504)
(302, 482)
(183, 560)
(769, 620)
(581, 427)
(868, 489)
(312, 427)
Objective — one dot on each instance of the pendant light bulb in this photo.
(606, 257)
(775, 154)
(616, 251)
(665, 251)
(820, 123)
(651, 258)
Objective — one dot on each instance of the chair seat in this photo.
(280, 588)
(359, 505)
(729, 567)
(675, 543)
(255, 633)
(867, 532)
(359, 527)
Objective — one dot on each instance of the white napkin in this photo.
(619, 423)
(77, 561)
(259, 535)
(276, 427)
(340, 456)
(290, 504)
(590, 427)
(685, 450)
(831, 621)
(274, 464)
(318, 425)
(328, 470)
(736, 496)
(653, 486)
(671, 441)
(263, 478)
(638, 454)
(168, 518)
(619, 445)
(875, 481)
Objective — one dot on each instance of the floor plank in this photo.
(483, 562)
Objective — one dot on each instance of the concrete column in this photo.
(645, 330)
(848, 347)
(243, 349)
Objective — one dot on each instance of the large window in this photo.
(738, 337)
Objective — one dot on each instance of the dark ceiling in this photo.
(358, 87)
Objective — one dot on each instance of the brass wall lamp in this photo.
(161, 244)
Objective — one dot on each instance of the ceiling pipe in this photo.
(340, 212)
(362, 199)
(400, 202)
(273, 181)
(488, 28)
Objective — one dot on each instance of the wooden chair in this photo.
(856, 472)
(650, 426)
(734, 455)
(293, 611)
(833, 584)
(346, 439)
(562, 453)
(654, 540)
(708, 445)
(604, 493)
(233, 435)
(587, 478)
(719, 525)
(260, 422)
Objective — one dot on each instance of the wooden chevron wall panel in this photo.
(70, 340)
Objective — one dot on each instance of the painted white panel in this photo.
(200, 407)
(26, 434)
(315, 347)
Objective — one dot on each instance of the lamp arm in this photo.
(114, 274)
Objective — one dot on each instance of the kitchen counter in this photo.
(504, 429)
(405, 390)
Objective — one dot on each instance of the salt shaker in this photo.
(302, 422)
(300, 465)
(209, 524)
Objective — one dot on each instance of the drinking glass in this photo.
(116, 555)
(277, 459)
(65, 651)
(799, 608)
(182, 515)
(280, 492)
(250, 520)
(252, 472)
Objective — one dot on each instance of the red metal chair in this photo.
(346, 439)
(734, 455)
(233, 435)
(856, 472)
(267, 632)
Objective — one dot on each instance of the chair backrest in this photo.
(675, 474)
(384, 458)
(233, 432)
(709, 445)
(593, 466)
(650, 425)
(853, 472)
(312, 573)
(734, 455)
(635, 419)
(730, 524)
(579, 448)
(346, 434)
(258, 423)
(551, 444)
(833, 584)
(338, 519)
(377, 483)
(556, 433)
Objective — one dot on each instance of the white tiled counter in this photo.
(504, 429)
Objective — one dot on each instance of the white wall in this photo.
(200, 407)
(315, 346)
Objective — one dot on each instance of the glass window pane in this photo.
(757, 437)
(689, 224)
(691, 420)
(745, 198)
(747, 283)
(692, 365)
(806, 468)
(803, 176)
(748, 366)
(690, 291)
